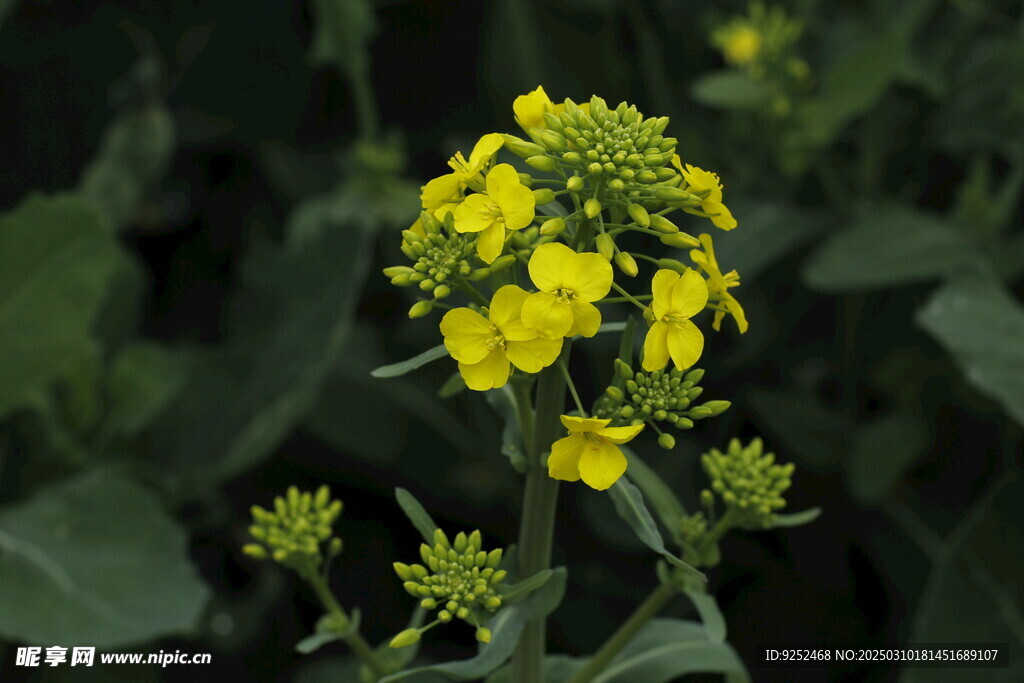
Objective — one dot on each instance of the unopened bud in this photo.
(483, 635)
(441, 291)
(646, 177)
(553, 141)
(614, 393)
(591, 207)
(542, 162)
(522, 148)
(716, 407)
(409, 636)
(626, 263)
(502, 263)
(639, 215)
(622, 367)
(526, 180)
(667, 441)
(673, 264)
(681, 240)
(574, 184)
(544, 196)
(420, 309)
(674, 194)
(552, 226)
(662, 224)
(605, 245)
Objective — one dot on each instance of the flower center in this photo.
(491, 211)
(565, 295)
(497, 341)
(674, 319)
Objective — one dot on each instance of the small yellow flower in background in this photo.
(508, 204)
(699, 180)
(590, 452)
(677, 298)
(569, 283)
(484, 347)
(448, 189)
(740, 45)
(719, 284)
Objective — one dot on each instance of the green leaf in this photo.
(667, 648)
(557, 669)
(503, 402)
(728, 89)
(710, 615)
(398, 658)
(94, 560)
(56, 258)
(812, 433)
(893, 247)
(797, 518)
(326, 633)
(518, 591)
(142, 380)
(419, 517)
(629, 503)
(342, 34)
(665, 503)
(505, 626)
(881, 452)
(981, 326)
(5, 8)
(406, 366)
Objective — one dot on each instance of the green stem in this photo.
(540, 499)
(354, 639)
(366, 104)
(473, 294)
(628, 297)
(572, 388)
(647, 610)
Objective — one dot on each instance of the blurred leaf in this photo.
(811, 432)
(893, 247)
(505, 627)
(341, 34)
(984, 208)
(143, 379)
(520, 590)
(981, 326)
(134, 153)
(503, 402)
(56, 258)
(881, 452)
(419, 517)
(6, 6)
(797, 518)
(325, 633)
(667, 648)
(406, 366)
(710, 615)
(729, 89)
(629, 503)
(398, 658)
(297, 175)
(665, 503)
(557, 669)
(94, 560)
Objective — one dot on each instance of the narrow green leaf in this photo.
(503, 402)
(406, 366)
(881, 452)
(325, 633)
(419, 517)
(629, 503)
(812, 433)
(710, 615)
(94, 560)
(982, 326)
(654, 489)
(797, 518)
(518, 591)
(728, 89)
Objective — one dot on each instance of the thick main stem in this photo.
(537, 529)
(647, 610)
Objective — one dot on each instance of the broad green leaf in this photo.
(797, 518)
(143, 379)
(881, 452)
(94, 560)
(654, 489)
(557, 669)
(893, 247)
(406, 366)
(811, 432)
(518, 591)
(710, 615)
(503, 402)
(981, 326)
(629, 503)
(56, 258)
(729, 89)
(419, 517)
(667, 648)
(505, 626)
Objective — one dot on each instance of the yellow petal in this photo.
(534, 354)
(589, 276)
(735, 310)
(549, 264)
(529, 109)
(438, 191)
(564, 460)
(601, 464)
(474, 214)
(490, 242)
(490, 373)
(583, 424)
(586, 318)
(466, 334)
(484, 150)
(656, 347)
(621, 434)
(506, 307)
(689, 294)
(685, 344)
(721, 217)
(518, 206)
(661, 287)
(544, 313)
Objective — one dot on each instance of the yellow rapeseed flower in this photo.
(448, 189)
(529, 109)
(719, 284)
(590, 452)
(484, 347)
(698, 180)
(741, 44)
(568, 282)
(508, 204)
(677, 298)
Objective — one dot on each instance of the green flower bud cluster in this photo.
(524, 242)
(459, 577)
(440, 255)
(660, 396)
(749, 483)
(294, 532)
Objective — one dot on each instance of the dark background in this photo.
(259, 129)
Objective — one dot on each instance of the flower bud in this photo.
(665, 174)
(616, 186)
(716, 407)
(605, 245)
(502, 263)
(542, 162)
(667, 441)
(639, 215)
(420, 309)
(526, 180)
(614, 393)
(622, 367)
(626, 263)
(674, 194)
(483, 634)
(680, 240)
(574, 184)
(646, 177)
(479, 274)
(572, 158)
(552, 226)
(592, 207)
(544, 196)
(595, 169)
(522, 148)
(553, 141)
(662, 224)
(409, 636)
(673, 264)
(442, 291)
